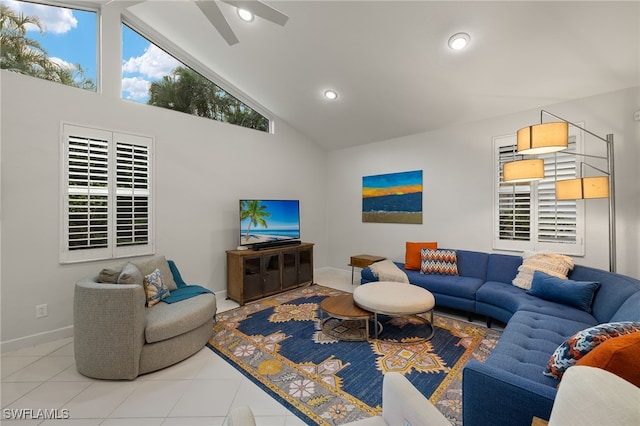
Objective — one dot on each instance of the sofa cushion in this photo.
(502, 268)
(155, 288)
(614, 290)
(165, 321)
(629, 311)
(620, 356)
(528, 341)
(510, 298)
(582, 342)
(578, 294)
(413, 253)
(443, 262)
(472, 264)
(556, 265)
(453, 285)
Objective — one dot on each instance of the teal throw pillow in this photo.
(578, 294)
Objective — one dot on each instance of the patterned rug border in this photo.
(477, 340)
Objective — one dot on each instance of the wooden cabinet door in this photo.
(290, 269)
(252, 278)
(271, 273)
(305, 265)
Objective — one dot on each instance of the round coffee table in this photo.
(342, 307)
(395, 299)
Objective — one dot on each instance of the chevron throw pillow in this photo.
(443, 262)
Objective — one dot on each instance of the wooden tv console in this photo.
(254, 274)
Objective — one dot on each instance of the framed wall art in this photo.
(392, 198)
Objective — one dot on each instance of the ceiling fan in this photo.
(213, 13)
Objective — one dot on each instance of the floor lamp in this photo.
(553, 137)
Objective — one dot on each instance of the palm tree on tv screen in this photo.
(255, 212)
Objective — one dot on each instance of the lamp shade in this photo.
(589, 187)
(543, 138)
(523, 170)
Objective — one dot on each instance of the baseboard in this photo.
(36, 339)
(330, 269)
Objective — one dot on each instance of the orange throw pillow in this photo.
(413, 254)
(620, 356)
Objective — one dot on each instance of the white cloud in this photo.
(56, 20)
(62, 63)
(138, 88)
(154, 63)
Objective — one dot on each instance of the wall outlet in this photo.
(42, 311)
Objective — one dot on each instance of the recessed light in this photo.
(331, 94)
(459, 41)
(245, 15)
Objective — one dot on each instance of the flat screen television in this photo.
(265, 223)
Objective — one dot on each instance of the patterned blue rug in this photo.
(277, 342)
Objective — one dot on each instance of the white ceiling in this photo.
(391, 66)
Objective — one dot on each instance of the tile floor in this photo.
(198, 391)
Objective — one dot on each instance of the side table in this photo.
(342, 307)
(362, 261)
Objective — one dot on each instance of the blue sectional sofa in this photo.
(509, 388)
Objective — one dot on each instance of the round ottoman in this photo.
(395, 299)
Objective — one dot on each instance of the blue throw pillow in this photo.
(578, 294)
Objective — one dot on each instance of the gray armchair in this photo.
(117, 337)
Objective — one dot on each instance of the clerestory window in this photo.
(527, 215)
(152, 76)
(49, 42)
(107, 194)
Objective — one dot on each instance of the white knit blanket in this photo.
(386, 270)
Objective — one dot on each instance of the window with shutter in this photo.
(527, 215)
(107, 194)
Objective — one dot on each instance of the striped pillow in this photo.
(443, 262)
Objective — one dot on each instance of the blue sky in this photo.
(70, 37)
(285, 214)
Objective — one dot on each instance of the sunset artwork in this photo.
(392, 198)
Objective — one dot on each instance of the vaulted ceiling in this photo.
(391, 66)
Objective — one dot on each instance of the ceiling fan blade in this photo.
(262, 10)
(215, 16)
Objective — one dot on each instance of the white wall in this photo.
(202, 168)
(458, 185)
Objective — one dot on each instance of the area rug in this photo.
(278, 343)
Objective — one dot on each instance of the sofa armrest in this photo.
(109, 323)
(492, 396)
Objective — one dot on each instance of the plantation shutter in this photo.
(527, 215)
(132, 193)
(107, 203)
(512, 224)
(557, 219)
(87, 195)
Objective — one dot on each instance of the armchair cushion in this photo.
(157, 262)
(130, 275)
(109, 275)
(154, 288)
